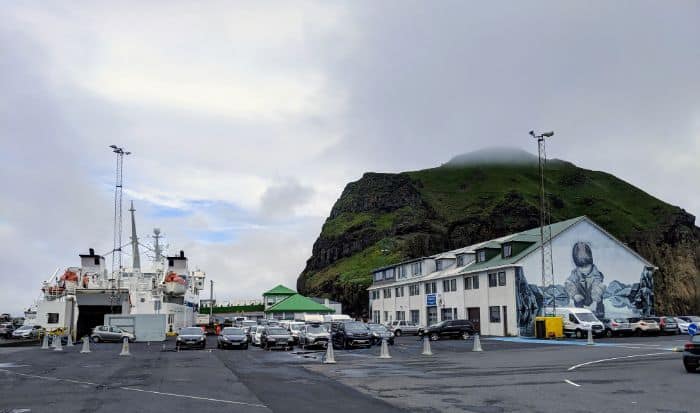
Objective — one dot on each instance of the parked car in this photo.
(314, 334)
(110, 333)
(667, 325)
(232, 337)
(348, 334)
(250, 332)
(6, 330)
(294, 328)
(691, 354)
(401, 327)
(579, 321)
(191, 337)
(617, 327)
(28, 332)
(448, 329)
(379, 332)
(644, 326)
(255, 337)
(686, 320)
(276, 337)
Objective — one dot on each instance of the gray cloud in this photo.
(280, 200)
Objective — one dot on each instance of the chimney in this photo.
(92, 251)
(182, 254)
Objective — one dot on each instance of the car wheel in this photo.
(95, 339)
(245, 347)
(638, 332)
(608, 333)
(397, 333)
(689, 369)
(434, 337)
(345, 344)
(579, 334)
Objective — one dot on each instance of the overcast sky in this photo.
(247, 119)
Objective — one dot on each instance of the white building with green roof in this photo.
(498, 283)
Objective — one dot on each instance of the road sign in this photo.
(430, 300)
(693, 329)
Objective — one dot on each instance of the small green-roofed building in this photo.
(295, 307)
(276, 295)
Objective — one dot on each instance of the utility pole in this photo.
(117, 224)
(211, 300)
(541, 160)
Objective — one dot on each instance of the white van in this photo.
(577, 321)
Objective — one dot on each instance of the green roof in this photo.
(280, 290)
(297, 303)
(531, 235)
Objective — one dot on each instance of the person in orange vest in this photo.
(218, 329)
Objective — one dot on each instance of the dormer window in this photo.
(460, 261)
(507, 250)
(481, 256)
(438, 265)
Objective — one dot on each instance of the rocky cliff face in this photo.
(383, 218)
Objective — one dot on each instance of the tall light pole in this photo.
(117, 224)
(541, 160)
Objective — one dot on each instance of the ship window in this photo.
(143, 300)
(52, 318)
(171, 262)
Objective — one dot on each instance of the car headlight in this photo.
(224, 338)
(202, 338)
(179, 339)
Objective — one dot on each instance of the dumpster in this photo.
(540, 328)
(553, 327)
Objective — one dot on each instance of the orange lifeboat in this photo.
(174, 284)
(70, 276)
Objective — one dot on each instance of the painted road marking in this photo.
(588, 363)
(186, 396)
(572, 383)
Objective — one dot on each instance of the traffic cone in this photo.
(384, 353)
(330, 356)
(477, 343)
(426, 347)
(70, 341)
(45, 342)
(59, 346)
(53, 341)
(125, 348)
(86, 345)
(590, 337)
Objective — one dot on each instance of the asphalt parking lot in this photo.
(510, 375)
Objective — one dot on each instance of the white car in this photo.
(257, 335)
(685, 321)
(27, 331)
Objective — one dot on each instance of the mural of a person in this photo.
(643, 295)
(585, 284)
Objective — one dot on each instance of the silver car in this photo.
(232, 337)
(312, 335)
(6, 330)
(110, 333)
(403, 327)
(28, 332)
(617, 327)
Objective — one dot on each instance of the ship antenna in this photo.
(157, 237)
(134, 240)
(117, 224)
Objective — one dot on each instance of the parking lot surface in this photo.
(510, 375)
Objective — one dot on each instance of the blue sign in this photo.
(430, 300)
(693, 329)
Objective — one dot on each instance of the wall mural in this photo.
(586, 286)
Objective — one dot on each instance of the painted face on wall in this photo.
(583, 257)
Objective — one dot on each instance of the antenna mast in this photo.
(117, 224)
(134, 240)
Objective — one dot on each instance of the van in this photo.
(577, 322)
(329, 318)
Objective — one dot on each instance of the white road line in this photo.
(614, 358)
(34, 376)
(572, 383)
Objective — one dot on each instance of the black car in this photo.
(691, 354)
(191, 337)
(276, 337)
(350, 334)
(232, 337)
(449, 329)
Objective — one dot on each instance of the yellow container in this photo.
(553, 326)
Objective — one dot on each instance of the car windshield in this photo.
(233, 331)
(440, 324)
(295, 327)
(588, 317)
(316, 329)
(355, 327)
(650, 320)
(24, 328)
(191, 331)
(377, 327)
(669, 319)
(276, 331)
(694, 319)
(249, 323)
(620, 320)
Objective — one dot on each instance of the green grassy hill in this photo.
(383, 218)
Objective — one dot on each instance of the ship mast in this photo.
(134, 241)
(117, 245)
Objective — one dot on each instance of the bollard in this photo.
(384, 352)
(330, 356)
(125, 348)
(426, 347)
(69, 343)
(590, 337)
(45, 342)
(86, 345)
(59, 345)
(477, 343)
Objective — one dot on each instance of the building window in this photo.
(401, 271)
(501, 278)
(387, 293)
(416, 268)
(449, 285)
(481, 256)
(493, 281)
(399, 292)
(386, 316)
(415, 316)
(495, 314)
(414, 289)
(378, 276)
(507, 250)
(430, 288)
(460, 260)
(375, 294)
(453, 284)
(376, 317)
(52, 318)
(400, 315)
(446, 314)
(438, 265)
